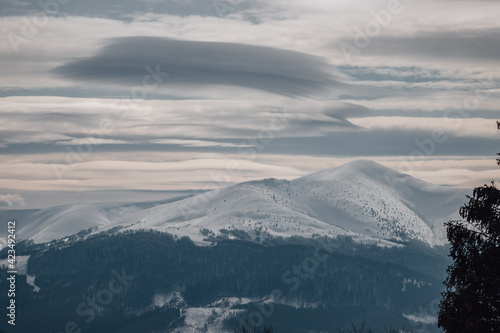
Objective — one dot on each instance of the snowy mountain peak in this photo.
(358, 169)
(361, 199)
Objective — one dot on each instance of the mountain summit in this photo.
(354, 168)
(361, 199)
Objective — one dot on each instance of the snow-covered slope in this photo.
(361, 199)
(44, 225)
(389, 203)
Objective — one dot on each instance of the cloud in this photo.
(480, 45)
(11, 200)
(22, 137)
(191, 64)
(386, 142)
(459, 127)
(92, 141)
(195, 143)
(123, 8)
(182, 123)
(343, 111)
(413, 69)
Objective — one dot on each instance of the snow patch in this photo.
(22, 269)
(422, 318)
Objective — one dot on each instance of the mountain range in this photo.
(361, 199)
(313, 254)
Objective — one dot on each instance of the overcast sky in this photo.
(166, 95)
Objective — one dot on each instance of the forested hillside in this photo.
(164, 277)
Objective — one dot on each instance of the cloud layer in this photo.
(191, 64)
(168, 95)
(11, 200)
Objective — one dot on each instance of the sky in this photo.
(116, 100)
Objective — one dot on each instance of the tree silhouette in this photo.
(247, 329)
(471, 301)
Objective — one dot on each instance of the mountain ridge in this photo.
(358, 199)
(361, 199)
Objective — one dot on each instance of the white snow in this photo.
(30, 279)
(361, 199)
(422, 318)
(21, 267)
(417, 283)
(210, 318)
(62, 221)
